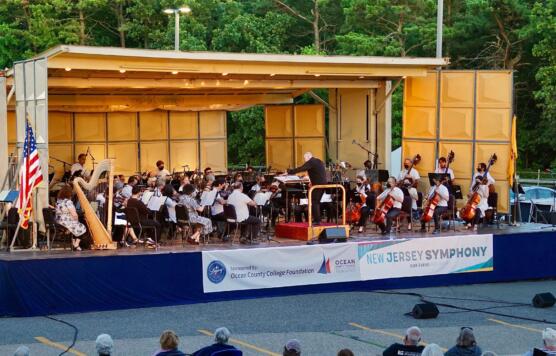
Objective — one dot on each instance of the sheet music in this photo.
(207, 198)
(289, 178)
(262, 198)
(326, 198)
(303, 201)
(120, 219)
(156, 202)
(147, 195)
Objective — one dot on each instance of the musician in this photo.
(135, 203)
(409, 204)
(441, 207)
(397, 195)
(161, 173)
(482, 207)
(66, 215)
(481, 168)
(413, 175)
(208, 174)
(259, 182)
(183, 182)
(195, 210)
(317, 174)
(362, 189)
(368, 164)
(241, 203)
(79, 166)
(238, 178)
(217, 208)
(125, 193)
(441, 168)
(170, 203)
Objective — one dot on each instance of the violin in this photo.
(467, 213)
(432, 202)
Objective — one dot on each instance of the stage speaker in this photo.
(543, 300)
(425, 311)
(332, 235)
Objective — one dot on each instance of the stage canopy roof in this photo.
(93, 79)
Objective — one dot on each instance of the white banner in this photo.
(425, 256)
(229, 270)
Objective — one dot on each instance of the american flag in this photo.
(30, 175)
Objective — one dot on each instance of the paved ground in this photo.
(364, 322)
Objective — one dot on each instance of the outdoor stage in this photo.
(40, 283)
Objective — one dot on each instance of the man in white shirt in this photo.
(397, 195)
(441, 168)
(481, 168)
(241, 203)
(79, 166)
(441, 207)
(413, 175)
(161, 172)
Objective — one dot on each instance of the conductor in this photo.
(317, 175)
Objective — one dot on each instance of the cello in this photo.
(354, 212)
(432, 202)
(467, 213)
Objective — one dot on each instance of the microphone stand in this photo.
(369, 154)
(63, 162)
(92, 158)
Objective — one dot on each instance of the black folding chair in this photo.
(492, 201)
(231, 219)
(53, 229)
(9, 225)
(134, 221)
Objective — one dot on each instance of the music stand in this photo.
(377, 175)
(443, 177)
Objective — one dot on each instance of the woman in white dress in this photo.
(66, 215)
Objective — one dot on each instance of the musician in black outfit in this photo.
(317, 174)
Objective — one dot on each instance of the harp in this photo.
(100, 235)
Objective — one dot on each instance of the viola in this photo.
(382, 210)
(467, 213)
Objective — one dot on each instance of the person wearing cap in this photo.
(22, 351)
(549, 343)
(169, 342)
(292, 348)
(221, 337)
(410, 346)
(104, 345)
(466, 345)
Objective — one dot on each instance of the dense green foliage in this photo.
(519, 35)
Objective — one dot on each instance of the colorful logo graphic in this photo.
(325, 266)
(216, 271)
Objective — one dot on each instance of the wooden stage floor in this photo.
(176, 246)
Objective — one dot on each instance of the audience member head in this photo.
(489, 353)
(104, 345)
(549, 338)
(292, 348)
(22, 351)
(169, 340)
(238, 186)
(188, 189)
(466, 338)
(432, 350)
(221, 335)
(412, 336)
(65, 192)
(345, 352)
(135, 190)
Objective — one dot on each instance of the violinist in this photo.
(183, 182)
(397, 196)
(443, 196)
(217, 208)
(362, 189)
(483, 192)
(259, 182)
(124, 194)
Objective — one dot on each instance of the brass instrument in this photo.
(101, 236)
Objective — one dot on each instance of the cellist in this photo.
(483, 192)
(397, 196)
(362, 189)
(443, 196)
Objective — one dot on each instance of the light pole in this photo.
(439, 22)
(176, 12)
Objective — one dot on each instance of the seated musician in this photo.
(217, 208)
(161, 172)
(170, 202)
(397, 195)
(259, 182)
(441, 207)
(481, 168)
(125, 193)
(482, 207)
(143, 212)
(188, 200)
(362, 189)
(208, 174)
(78, 168)
(413, 175)
(183, 182)
(238, 178)
(441, 168)
(276, 203)
(241, 202)
(66, 215)
(410, 201)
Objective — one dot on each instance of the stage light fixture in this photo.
(185, 9)
(174, 72)
(169, 11)
(68, 69)
(122, 71)
(272, 74)
(245, 82)
(317, 75)
(224, 74)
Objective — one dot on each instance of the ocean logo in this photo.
(216, 271)
(325, 266)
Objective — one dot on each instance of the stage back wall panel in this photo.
(292, 130)
(473, 113)
(122, 126)
(184, 153)
(90, 127)
(126, 161)
(153, 125)
(184, 125)
(60, 127)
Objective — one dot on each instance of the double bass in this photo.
(428, 212)
(415, 161)
(467, 213)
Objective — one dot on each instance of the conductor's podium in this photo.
(304, 232)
